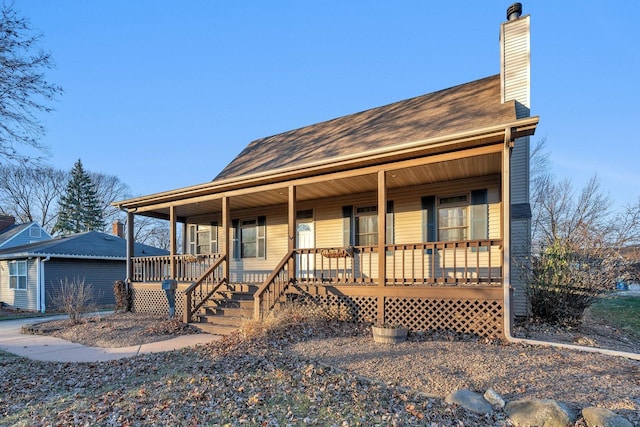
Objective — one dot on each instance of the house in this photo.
(12, 234)
(416, 212)
(31, 274)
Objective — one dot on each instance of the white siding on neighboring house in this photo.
(18, 298)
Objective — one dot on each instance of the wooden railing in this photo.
(274, 288)
(470, 262)
(203, 288)
(188, 268)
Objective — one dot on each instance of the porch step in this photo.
(228, 308)
(220, 319)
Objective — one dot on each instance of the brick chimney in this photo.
(6, 221)
(118, 229)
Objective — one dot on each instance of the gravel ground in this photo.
(307, 374)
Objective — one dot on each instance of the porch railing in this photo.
(460, 263)
(188, 268)
(470, 262)
(274, 288)
(203, 288)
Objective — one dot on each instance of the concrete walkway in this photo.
(50, 349)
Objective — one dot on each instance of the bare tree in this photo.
(109, 189)
(577, 242)
(24, 91)
(31, 194)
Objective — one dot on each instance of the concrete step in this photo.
(215, 329)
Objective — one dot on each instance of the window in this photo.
(203, 239)
(250, 238)
(455, 218)
(364, 223)
(18, 275)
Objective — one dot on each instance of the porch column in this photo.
(292, 229)
(506, 232)
(382, 227)
(172, 242)
(225, 242)
(130, 248)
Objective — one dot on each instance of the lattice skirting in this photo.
(464, 315)
(146, 300)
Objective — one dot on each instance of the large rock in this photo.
(470, 401)
(602, 417)
(494, 398)
(539, 412)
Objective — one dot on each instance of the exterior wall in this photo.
(24, 237)
(516, 77)
(520, 251)
(254, 270)
(23, 299)
(99, 273)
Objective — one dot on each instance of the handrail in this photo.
(274, 287)
(201, 288)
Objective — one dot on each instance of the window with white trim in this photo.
(18, 275)
(203, 239)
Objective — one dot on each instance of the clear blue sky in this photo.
(164, 94)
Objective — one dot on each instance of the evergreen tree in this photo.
(79, 207)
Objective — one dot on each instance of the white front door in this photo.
(305, 240)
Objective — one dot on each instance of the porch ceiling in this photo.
(333, 185)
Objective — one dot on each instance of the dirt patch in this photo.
(115, 330)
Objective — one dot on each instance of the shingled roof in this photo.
(91, 244)
(458, 109)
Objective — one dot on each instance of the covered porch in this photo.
(424, 283)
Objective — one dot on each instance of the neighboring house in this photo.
(31, 274)
(12, 234)
(416, 212)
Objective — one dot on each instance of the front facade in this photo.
(408, 213)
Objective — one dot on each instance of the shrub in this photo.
(75, 298)
(564, 282)
(122, 295)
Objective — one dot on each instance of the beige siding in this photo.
(515, 64)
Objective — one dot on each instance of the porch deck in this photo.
(454, 286)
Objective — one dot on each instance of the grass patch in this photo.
(623, 312)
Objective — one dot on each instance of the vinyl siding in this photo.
(520, 250)
(24, 237)
(101, 274)
(515, 64)
(23, 299)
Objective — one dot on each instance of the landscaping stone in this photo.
(494, 398)
(539, 412)
(602, 417)
(470, 400)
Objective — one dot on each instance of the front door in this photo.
(305, 240)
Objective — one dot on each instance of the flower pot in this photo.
(386, 335)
